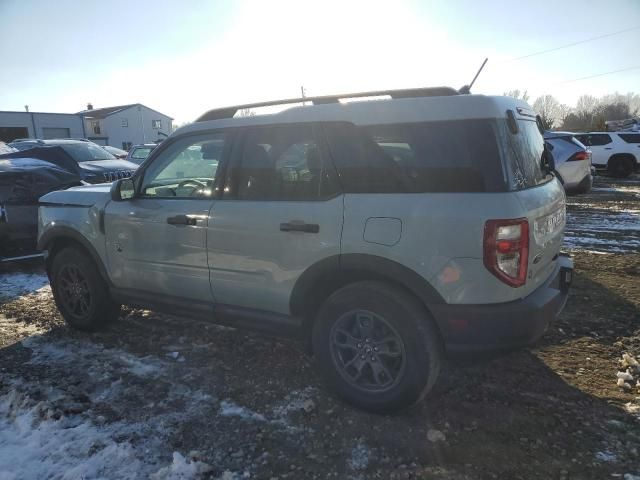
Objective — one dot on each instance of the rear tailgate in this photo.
(545, 209)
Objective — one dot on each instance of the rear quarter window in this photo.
(522, 154)
(630, 137)
(452, 156)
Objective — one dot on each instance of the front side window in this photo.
(187, 168)
(282, 163)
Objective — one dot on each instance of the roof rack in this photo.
(229, 112)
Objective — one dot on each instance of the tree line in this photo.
(589, 114)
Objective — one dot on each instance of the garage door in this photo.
(51, 132)
(9, 134)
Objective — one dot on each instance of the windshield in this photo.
(141, 153)
(86, 152)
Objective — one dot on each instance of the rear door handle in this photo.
(300, 227)
(607, 148)
(181, 220)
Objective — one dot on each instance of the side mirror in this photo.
(122, 190)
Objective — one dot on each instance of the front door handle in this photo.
(181, 220)
(607, 148)
(294, 226)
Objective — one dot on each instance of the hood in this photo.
(85, 196)
(24, 180)
(51, 154)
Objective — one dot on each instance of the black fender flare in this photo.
(58, 233)
(329, 274)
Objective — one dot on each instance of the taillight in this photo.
(580, 156)
(506, 250)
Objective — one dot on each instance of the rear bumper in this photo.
(505, 325)
(584, 186)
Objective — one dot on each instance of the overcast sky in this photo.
(185, 57)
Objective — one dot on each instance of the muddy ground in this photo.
(173, 398)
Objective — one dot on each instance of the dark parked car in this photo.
(48, 165)
(96, 164)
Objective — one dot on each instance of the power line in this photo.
(597, 75)
(573, 44)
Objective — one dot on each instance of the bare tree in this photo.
(549, 110)
(246, 112)
(517, 94)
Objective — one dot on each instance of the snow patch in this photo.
(231, 409)
(14, 285)
(293, 402)
(606, 456)
(34, 445)
(360, 457)
(181, 469)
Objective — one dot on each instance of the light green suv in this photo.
(383, 233)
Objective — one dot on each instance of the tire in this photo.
(406, 365)
(80, 293)
(620, 166)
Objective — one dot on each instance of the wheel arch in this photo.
(57, 238)
(323, 278)
(624, 155)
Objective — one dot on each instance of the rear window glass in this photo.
(455, 156)
(523, 154)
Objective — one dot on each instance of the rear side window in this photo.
(595, 140)
(630, 137)
(282, 163)
(455, 156)
(523, 154)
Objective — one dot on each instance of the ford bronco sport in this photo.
(384, 233)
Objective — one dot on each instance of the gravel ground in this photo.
(163, 397)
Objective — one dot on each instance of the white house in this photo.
(40, 125)
(125, 125)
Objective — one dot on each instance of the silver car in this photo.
(385, 234)
(572, 161)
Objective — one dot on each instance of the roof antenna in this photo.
(467, 88)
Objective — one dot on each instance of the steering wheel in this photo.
(196, 183)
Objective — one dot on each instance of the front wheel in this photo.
(80, 293)
(376, 346)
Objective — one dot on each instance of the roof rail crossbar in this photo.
(229, 112)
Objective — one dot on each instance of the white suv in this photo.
(617, 152)
(383, 233)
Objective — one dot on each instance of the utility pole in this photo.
(303, 94)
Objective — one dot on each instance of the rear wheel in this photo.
(620, 166)
(80, 293)
(376, 346)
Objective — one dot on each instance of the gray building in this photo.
(40, 125)
(125, 125)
